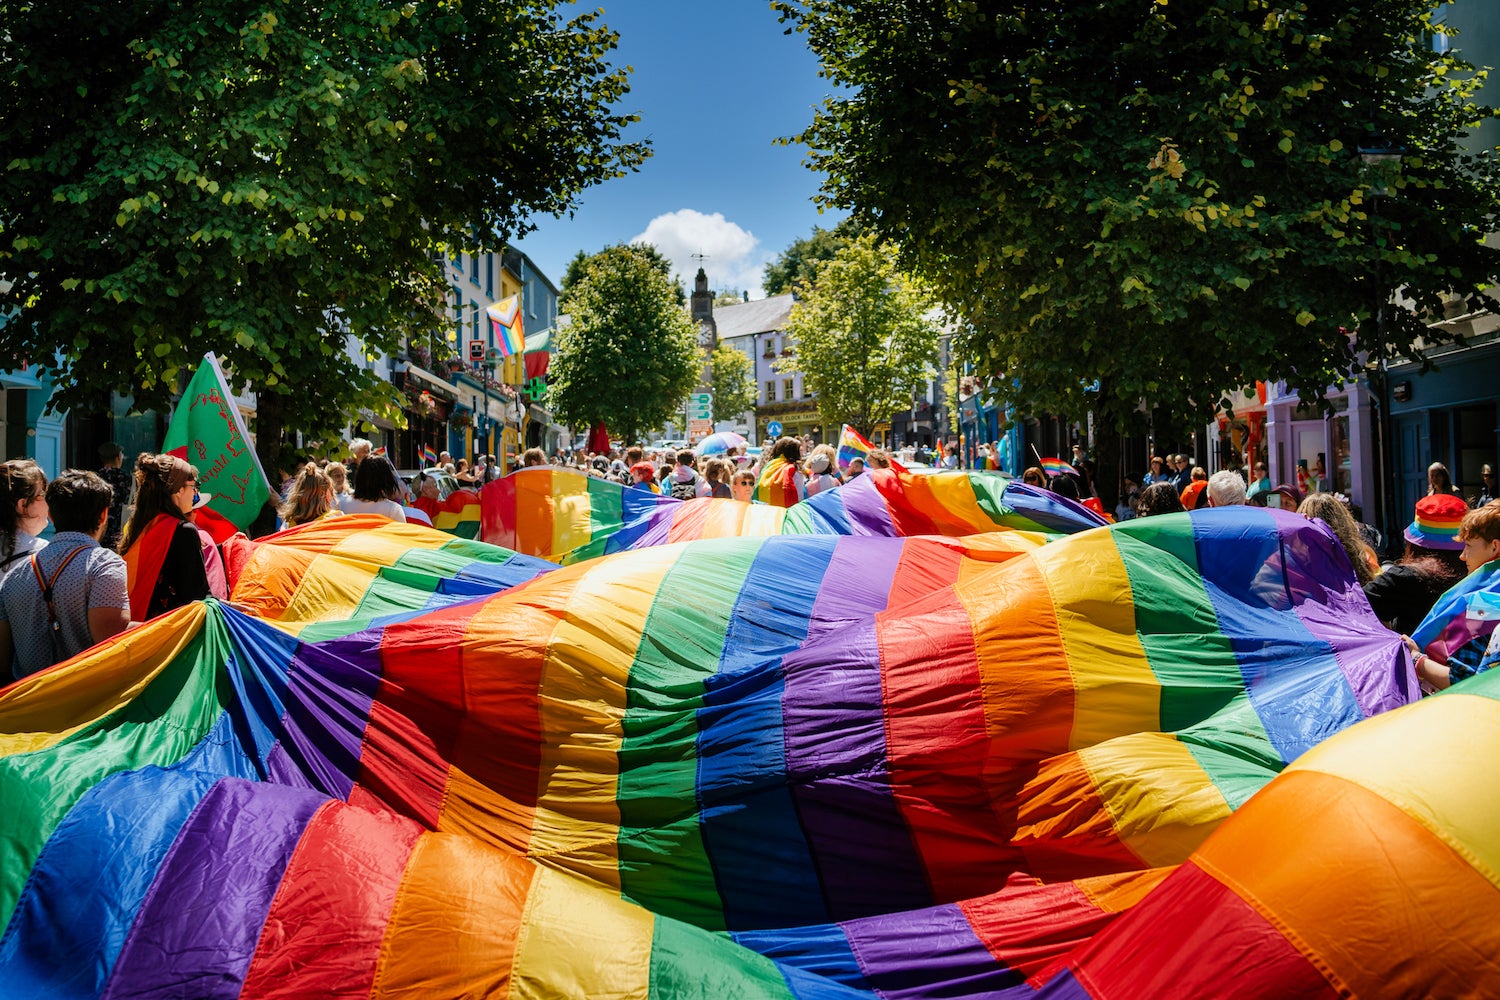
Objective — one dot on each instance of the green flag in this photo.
(208, 431)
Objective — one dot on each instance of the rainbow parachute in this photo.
(1153, 759)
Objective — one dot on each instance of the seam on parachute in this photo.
(523, 931)
(156, 882)
(281, 888)
(1252, 900)
(383, 953)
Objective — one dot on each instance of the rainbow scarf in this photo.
(834, 746)
(777, 484)
(143, 563)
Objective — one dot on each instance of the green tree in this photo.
(657, 258)
(800, 260)
(629, 355)
(732, 378)
(863, 336)
(1165, 197)
(261, 179)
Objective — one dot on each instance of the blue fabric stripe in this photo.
(763, 865)
(1292, 677)
(87, 887)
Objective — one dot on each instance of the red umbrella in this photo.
(598, 439)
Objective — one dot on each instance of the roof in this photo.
(758, 316)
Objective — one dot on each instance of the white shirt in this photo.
(25, 546)
(385, 508)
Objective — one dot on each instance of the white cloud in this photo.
(734, 259)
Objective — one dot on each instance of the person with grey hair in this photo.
(1225, 489)
(359, 450)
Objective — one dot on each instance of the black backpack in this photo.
(687, 490)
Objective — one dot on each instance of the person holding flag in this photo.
(208, 431)
(781, 482)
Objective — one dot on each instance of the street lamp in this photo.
(484, 370)
(1380, 162)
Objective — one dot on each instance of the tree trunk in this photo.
(270, 426)
(1107, 471)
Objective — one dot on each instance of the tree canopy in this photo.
(629, 354)
(1165, 196)
(655, 256)
(800, 260)
(258, 180)
(864, 338)
(731, 376)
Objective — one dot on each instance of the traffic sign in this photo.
(700, 406)
(773, 429)
(476, 351)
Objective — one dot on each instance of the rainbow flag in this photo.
(429, 456)
(457, 514)
(843, 750)
(568, 517)
(1056, 467)
(506, 325)
(852, 445)
(1469, 610)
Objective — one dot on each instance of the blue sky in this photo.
(714, 83)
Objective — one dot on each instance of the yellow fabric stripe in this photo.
(1414, 758)
(576, 941)
(572, 512)
(1116, 691)
(1161, 801)
(46, 708)
(582, 709)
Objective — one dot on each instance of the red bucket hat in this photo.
(1436, 522)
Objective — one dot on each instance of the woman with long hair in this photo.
(1331, 511)
(169, 561)
(23, 512)
(310, 498)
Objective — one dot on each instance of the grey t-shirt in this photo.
(95, 578)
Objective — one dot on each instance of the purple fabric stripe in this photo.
(332, 687)
(660, 527)
(925, 953)
(866, 509)
(197, 930)
(856, 584)
(836, 765)
(1333, 608)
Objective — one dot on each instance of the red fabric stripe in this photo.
(936, 744)
(497, 513)
(688, 521)
(143, 562)
(400, 768)
(1158, 949)
(323, 933)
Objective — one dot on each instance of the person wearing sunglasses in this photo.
(169, 561)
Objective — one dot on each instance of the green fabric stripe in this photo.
(175, 711)
(797, 521)
(1193, 661)
(688, 962)
(606, 506)
(662, 855)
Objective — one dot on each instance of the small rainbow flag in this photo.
(428, 455)
(852, 445)
(505, 321)
(1056, 467)
(378, 452)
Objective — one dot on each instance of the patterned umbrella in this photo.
(718, 444)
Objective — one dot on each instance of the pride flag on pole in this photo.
(852, 445)
(505, 320)
(428, 455)
(208, 432)
(1056, 467)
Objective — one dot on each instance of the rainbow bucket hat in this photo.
(1436, 524)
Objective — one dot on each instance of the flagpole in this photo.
(239, 418)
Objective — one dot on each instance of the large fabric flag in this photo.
(208, 432)
(505, 321)
(852, 445)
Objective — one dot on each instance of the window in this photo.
(489, 275)
(458, 313)
(770, 392)
(474, 320)
(786, 389)
(474, 268)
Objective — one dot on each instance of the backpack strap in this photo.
(49, 584)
